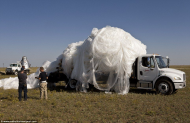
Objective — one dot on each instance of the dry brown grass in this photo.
(95, 106)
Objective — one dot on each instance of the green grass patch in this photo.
(96, 106)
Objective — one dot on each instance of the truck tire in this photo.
(164, 87)
(16, 72)
(72, 84)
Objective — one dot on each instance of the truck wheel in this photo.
(164, 87)
(16, 72)
(72, 84)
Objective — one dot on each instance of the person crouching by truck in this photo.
(43, 83)
(22, 84)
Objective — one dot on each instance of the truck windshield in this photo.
(160, 62)
(13, 65)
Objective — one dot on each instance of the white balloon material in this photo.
(104, 59)
(12, 83)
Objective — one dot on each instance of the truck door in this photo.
(148, 71)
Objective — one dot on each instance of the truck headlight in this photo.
(177, 78)
(161, 71)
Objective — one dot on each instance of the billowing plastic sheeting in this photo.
(104, 59)
(12, 83)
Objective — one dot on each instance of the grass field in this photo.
(95, 106)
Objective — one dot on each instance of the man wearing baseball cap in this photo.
(22, 84)
(43, 83)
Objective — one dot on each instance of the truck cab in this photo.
(14, 68)
(151, 72)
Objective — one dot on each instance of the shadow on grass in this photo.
(35, 98)
(10, 99)
(69, 90)
(93, 89)
(142, 91)
(3, 98)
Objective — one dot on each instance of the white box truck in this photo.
(14, 68)
(151, 72)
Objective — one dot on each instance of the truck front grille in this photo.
(8, 70)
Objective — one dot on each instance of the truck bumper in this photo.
(179, 85)
(9, 72)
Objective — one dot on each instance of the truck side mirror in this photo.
(168, 62)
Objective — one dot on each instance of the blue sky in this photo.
(42, 29)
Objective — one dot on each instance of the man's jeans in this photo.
(20, 88)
